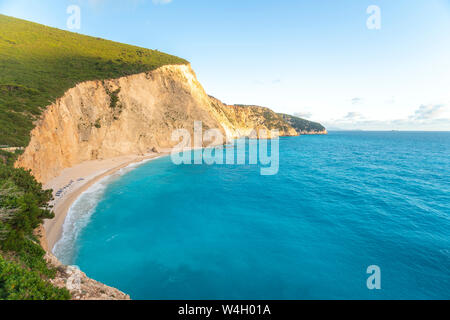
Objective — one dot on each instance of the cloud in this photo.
(306, 115)
(267, 82)
(161, 1)
(357, 100)
(352, 116)
(427, 112)
(426, 117)
(156, 2)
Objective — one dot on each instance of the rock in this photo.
(153, 104)
(79, 285)
(155, 150)
(39, 232)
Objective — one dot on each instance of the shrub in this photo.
(17, 283)
(23, 207)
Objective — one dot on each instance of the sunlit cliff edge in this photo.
(134, 115)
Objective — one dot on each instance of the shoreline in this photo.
(75, 181)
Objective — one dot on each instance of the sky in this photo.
(324, 60)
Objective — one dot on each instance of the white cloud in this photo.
(357, 100)
(157, 2)
(161, 1)
(427, 112)
(353, 116)
(426, 117)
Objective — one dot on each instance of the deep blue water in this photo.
(339, 204)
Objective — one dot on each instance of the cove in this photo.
(339, 204)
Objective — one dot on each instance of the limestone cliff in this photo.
(303, 126)
(132, 115)
(240, 120)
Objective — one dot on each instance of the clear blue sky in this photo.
(316, 58)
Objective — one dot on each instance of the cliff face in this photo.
(133, 115)
(240, 120)
(303, 126)
(79, 285)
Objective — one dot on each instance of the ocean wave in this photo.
(77, 219)
(134, 165)
(81, 211)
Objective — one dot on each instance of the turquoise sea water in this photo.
(339, 204)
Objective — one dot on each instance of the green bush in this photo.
(17, 283)
(302, 125)
(114, 98)
(23, 207)
(97, 124)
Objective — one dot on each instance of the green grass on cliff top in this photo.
(39, 63)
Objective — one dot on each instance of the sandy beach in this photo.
(72, 182)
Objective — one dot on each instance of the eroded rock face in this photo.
(79, 285)
(133, 115)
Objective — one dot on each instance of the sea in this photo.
(348, 215)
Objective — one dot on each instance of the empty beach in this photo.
(72, 182)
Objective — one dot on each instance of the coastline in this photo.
(90, 172)
(75, 181)
(78, 179)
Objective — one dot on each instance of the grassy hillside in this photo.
(38, 64)
(302, 125)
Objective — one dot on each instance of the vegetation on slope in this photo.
(302, 125)
(24, 273)
(282, 121)
(18, 283)
(39, 63)
(269, 117)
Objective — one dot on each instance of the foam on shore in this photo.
(80, 212)
(77, 219)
